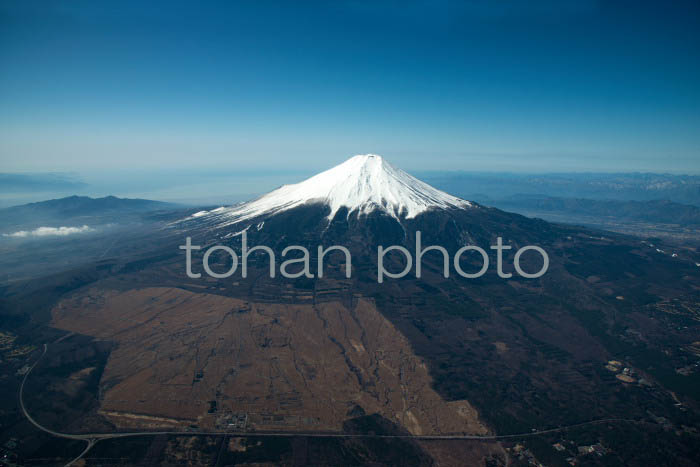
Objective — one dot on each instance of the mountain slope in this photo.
(481, 337)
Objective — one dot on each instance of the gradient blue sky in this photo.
(576, 85)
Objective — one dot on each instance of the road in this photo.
(92, 438)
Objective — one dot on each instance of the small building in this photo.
(585, 450)
(625, 378)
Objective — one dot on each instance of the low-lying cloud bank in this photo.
(50, 232)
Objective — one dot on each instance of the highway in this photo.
(92, 438)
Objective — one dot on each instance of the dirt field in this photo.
(194, 358)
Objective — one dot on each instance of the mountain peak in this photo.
(362, 184)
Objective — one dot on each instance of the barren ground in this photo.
(295, 367)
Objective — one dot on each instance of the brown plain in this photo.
(288, 367)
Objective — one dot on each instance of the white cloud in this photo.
(50, 232)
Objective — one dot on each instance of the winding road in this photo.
(92, 438)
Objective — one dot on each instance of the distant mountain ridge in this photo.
(82, 205)
(78, 209)
(656, 211)
(611, 186)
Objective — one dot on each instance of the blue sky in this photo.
(116, 87)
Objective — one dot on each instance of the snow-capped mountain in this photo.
(362, 184)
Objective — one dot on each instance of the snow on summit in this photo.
(362, 184)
